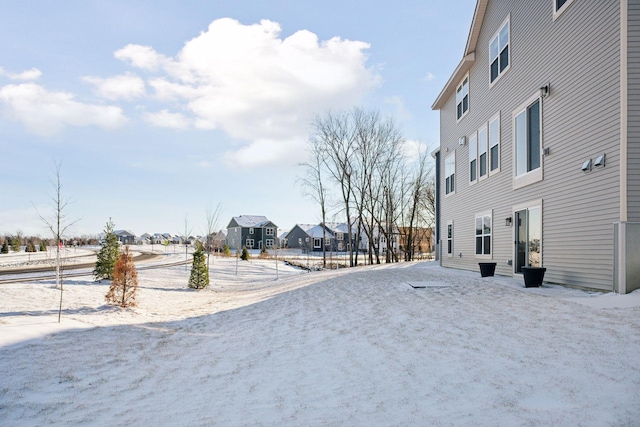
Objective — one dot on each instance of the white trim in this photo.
(535, 175)
(497, 34)
(624, 161)
(454, 174)
(473, 144)
(499, 144)
(538, 203)
(488, 213)
(461, 85)
(557, 13)
(484, 128)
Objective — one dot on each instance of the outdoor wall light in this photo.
(545, 90)
(599, 161)
(508, 221)
(586, 166)
(462, 140)
(546, 151)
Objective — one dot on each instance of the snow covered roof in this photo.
(250, 220)
(317, 233)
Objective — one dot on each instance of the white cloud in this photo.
(46, 112)
(429, 77)
(167, 119)
(126, 86)
(32, 74)
(254, 85)
(413, 149)
(402, 113)
(140, 57)
(263, 152)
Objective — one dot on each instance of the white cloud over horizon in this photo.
(32, 74)
(46, 113)
(254, 85)
(126, 86)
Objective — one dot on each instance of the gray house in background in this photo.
(539, 156)
(251, 231)
(310, 237)
(125, 237)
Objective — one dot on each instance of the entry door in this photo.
(528, 238)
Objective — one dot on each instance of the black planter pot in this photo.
(533, 276)
(487, 268)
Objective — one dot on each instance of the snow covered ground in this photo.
(354, 347)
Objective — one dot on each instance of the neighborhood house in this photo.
(539, 156)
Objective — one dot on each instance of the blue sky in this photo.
(158, 109)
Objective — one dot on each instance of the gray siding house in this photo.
(310, 237)
(252, 231)
(539, 156)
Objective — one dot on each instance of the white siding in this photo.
(578, 54)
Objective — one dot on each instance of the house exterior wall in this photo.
(633, 111)
(578, 54)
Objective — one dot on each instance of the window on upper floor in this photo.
(494, 144)
(560, 6)
(251, 231)
(482, 152)
(269, 232)
(450, 174)
(483, 234)
(527, 125)
(473, 158)
(499, 54)
(462, 98)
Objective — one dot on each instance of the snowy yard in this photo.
(354, 347)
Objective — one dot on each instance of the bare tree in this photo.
(58, 224)
(313, 187)
(335, 136)
(213, 218)
(185, 237)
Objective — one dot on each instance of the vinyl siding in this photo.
(633, 112)
(578, 54)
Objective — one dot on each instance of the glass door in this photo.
(528, 238)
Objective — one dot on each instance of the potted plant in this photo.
(487, 268)
(533, 276)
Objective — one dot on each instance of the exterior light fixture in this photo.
(462, 140)
(508, 221)
(545, 90)
(586, 166)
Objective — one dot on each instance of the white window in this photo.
(473, 158)
(339, 236)
(494, 144)
(482, 152)
(249, 243)
(462, 98)
(527, 125)
(317, 243)
(483, 234)
(499, 55)
(450, 174)
(450, 238)
(269, 231)
(560, 6)
(251, 231)
(269, 243)
(300, 240)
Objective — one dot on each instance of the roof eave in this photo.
(457, 75)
